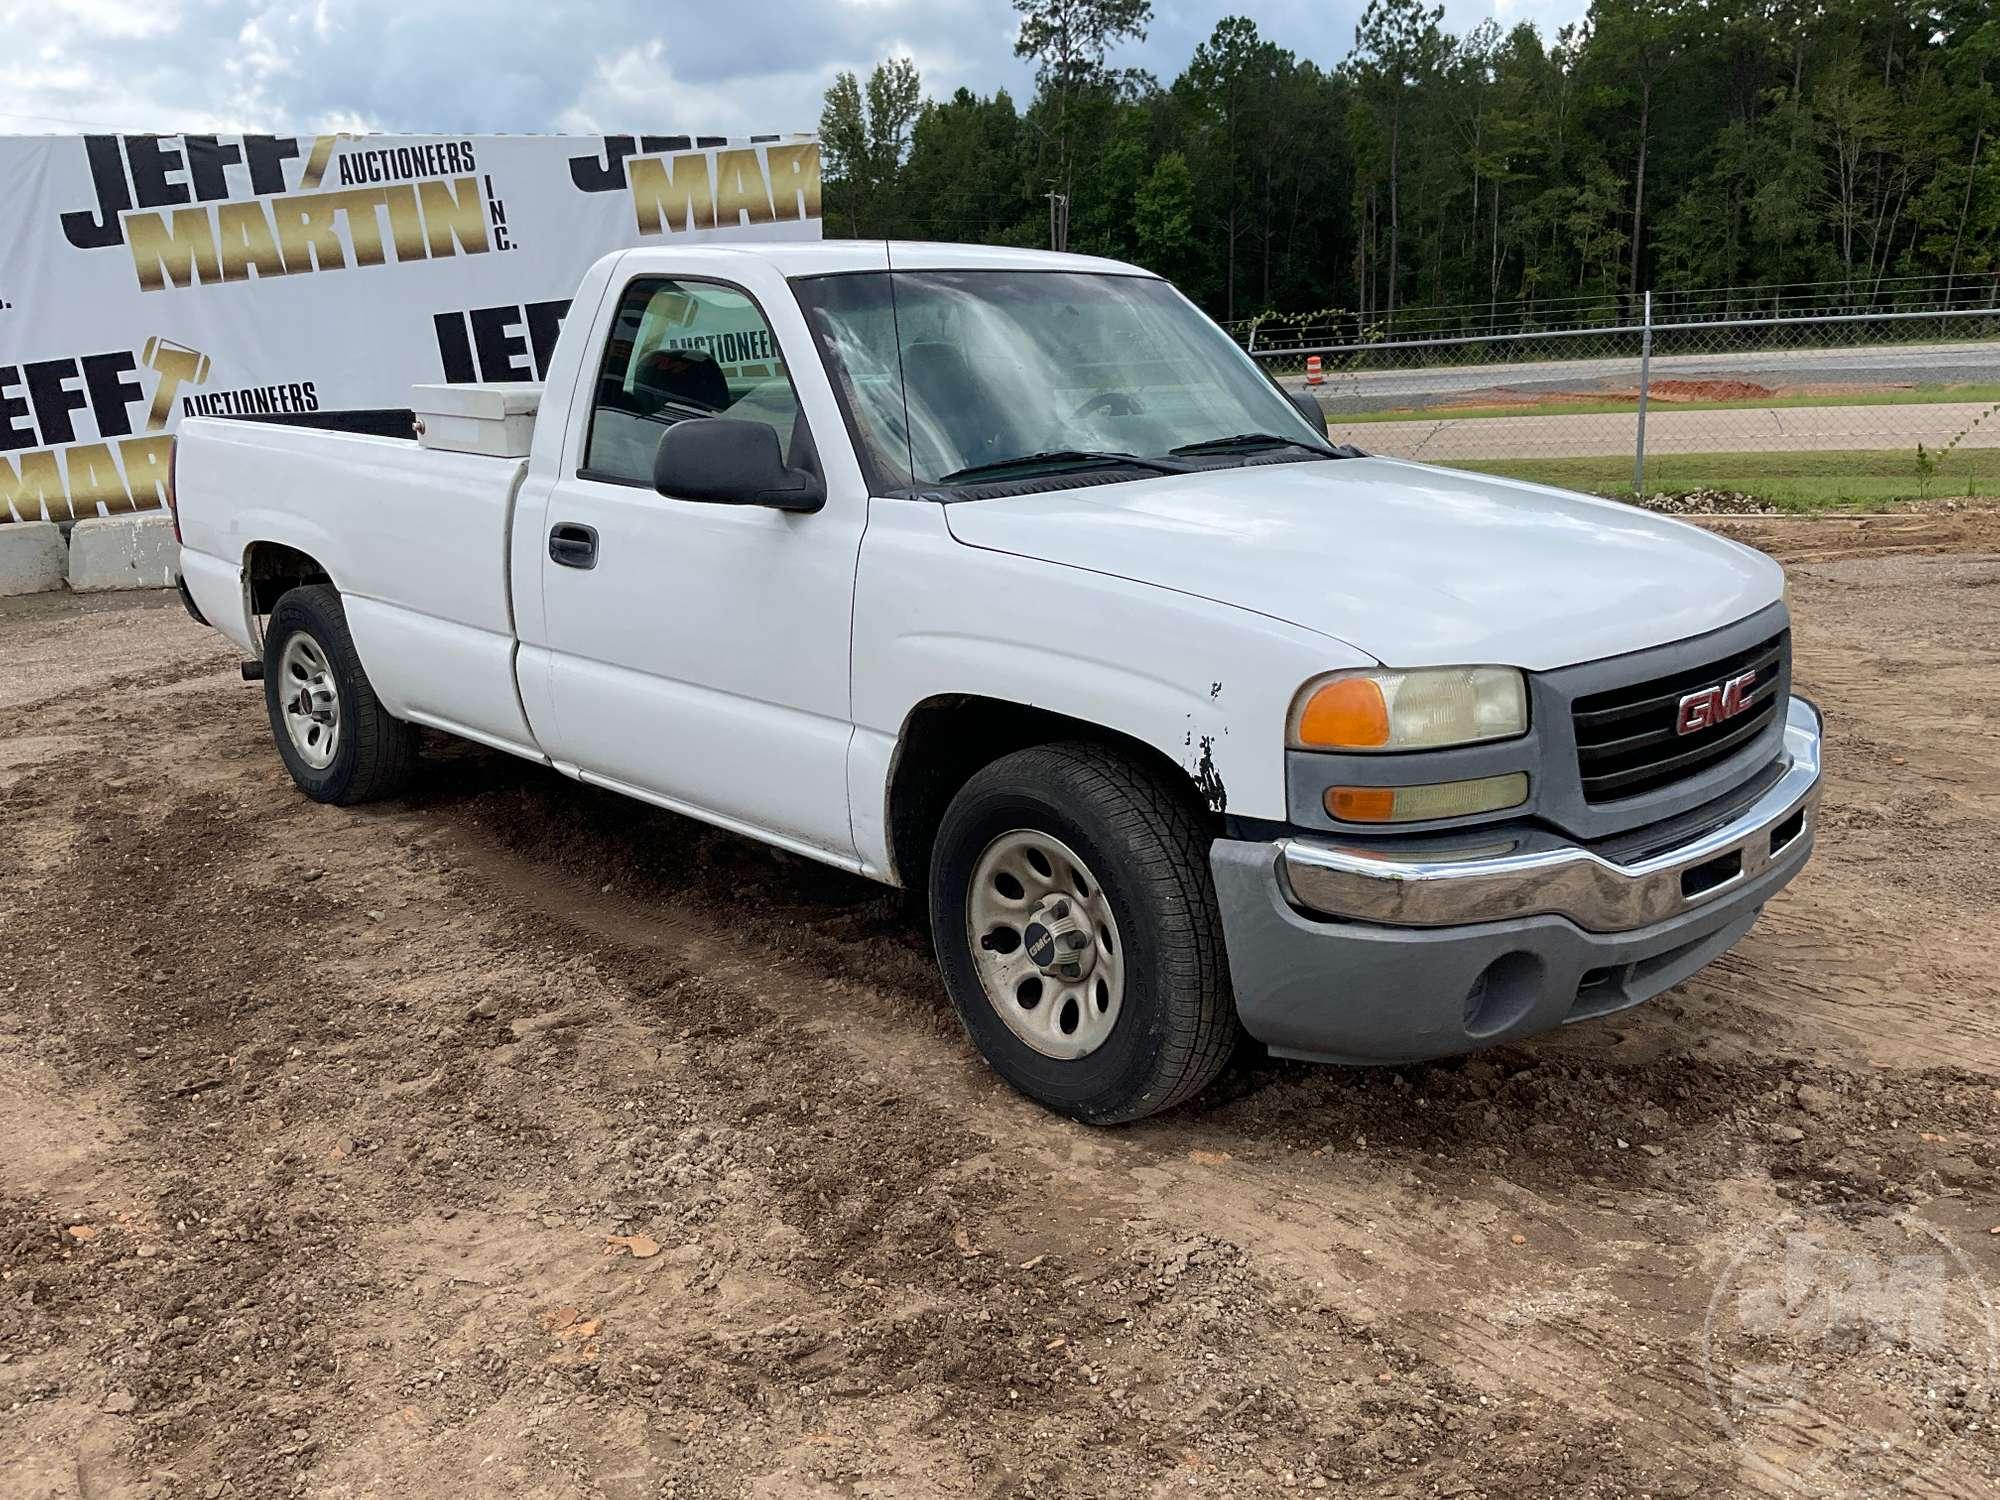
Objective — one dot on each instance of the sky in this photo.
(585, 66)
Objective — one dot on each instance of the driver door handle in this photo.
(573, 545)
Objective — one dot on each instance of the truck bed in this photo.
(416, 540)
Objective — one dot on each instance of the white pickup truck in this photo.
(1009, 577)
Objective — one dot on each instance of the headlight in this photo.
(1425, 709)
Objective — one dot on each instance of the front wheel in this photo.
(1077, 929)
(335, 737)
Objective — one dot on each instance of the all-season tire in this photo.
(1175, 1027)
(369, 754)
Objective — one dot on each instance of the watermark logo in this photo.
(1842, 1368)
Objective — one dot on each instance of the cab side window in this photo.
(683, 351)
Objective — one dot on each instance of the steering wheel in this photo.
(1111, 404)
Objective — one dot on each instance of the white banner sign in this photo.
(148, 278)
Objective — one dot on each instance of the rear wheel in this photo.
(1076, 925)
(337, 740)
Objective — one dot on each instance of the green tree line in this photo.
(1656, 144)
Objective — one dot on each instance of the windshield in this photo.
(950, 377)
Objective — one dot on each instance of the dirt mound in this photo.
(1709, 390)
(1671, 392)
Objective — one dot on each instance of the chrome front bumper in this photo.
(1543, 874)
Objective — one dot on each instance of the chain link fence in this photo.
(1752, 411)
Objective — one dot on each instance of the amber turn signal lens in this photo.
(1361, 804)
(1348, 713)
(1420, 804)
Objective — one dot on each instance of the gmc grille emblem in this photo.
(1712, 705)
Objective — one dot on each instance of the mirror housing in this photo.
(727, 461)
(1308, 407)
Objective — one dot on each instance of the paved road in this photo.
(1763, 430)
(1375, 390)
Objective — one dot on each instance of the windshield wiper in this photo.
(1248, 440)
(1062, 458)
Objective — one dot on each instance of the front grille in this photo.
(1628, 739)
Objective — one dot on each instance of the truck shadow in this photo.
(587, 832)
(619, 867)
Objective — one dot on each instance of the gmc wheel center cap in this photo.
(1058, 941)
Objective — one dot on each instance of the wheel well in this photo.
(271, 570)
(945, 740)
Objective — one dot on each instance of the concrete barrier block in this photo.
(122, 552)
(31, 557)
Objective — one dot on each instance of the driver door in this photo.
(698, 653)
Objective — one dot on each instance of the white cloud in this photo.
(637, 91)
(666, 66)
(111, 18)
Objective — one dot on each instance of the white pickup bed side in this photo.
(416, 541)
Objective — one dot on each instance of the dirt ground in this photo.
(512, 1139)
(1668, 392)
(1658, 390)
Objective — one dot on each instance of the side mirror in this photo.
(1309, 408)
(725, 461)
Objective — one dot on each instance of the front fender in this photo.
(1207, 685)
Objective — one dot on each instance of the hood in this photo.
(1412, 565)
